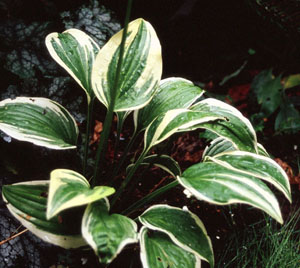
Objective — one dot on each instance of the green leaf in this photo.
(40, 121)
(257, 166)
(221, 145)
(141, 70)
(165, 162)
(172, 93)
(292, 81)
(221, 185)
(270, 96)
(183, 227)
(236, 128)
(158, 250)
(217, 146)
(288, 118)
(75, 51)
(107, 234)
(70, 189)
(164, 125)
(27, 201)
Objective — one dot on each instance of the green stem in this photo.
(128, 178)
(87, 134)
(149, 197)
(102, 147)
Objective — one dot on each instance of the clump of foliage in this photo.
(74, 209)
(271, 95)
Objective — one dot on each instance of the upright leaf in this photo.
(70, 189)
(40, 121)
(172, 93)
(236, 128)
(27, 201)
(217, 184)
(107, 234)
(159, 251)
(75, 51)
(141, 70)
(183, 227)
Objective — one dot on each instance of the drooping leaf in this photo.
(40, 121)
(141, 70)
(257, 166)
(217, 184)
(221, 145)
(107, 234)
(70, 189)
(75, 51)
(164, 162)
(164, 125)
(27, 201)
(288, 118)
(172, 93)
(236, 128)
(183, 227)
(159, 251)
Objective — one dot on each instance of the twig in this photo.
(12, 237)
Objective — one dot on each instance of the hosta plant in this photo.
(74, 209)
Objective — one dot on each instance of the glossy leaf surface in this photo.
(183, 227)
(172, 93)
(70, 189)
(236, 128)
(141, 70)
(107, 234)
(40, 121)
(258, 166)
(158, 250)
(217, 184)
(75, 51)
(28, 201)
(174, 121)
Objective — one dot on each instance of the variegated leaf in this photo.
(70, 189)
(236, 128)
(107, 234)
(172, 93)
(75, 51)
(163, 126)
(40, 121)
(221, 185)
(141, 70)
(159, 251)
(183, 227)
(164, 162)
(257, 166)
(27, 202)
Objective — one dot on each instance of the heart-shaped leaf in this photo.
(107, 234)
(40, 121)
(70, 189)
(27, 202)
(75, 51)
(184, 228)
(141, 70)
(159, 251)
(172, 93)
(217, 184)
(257, 166)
